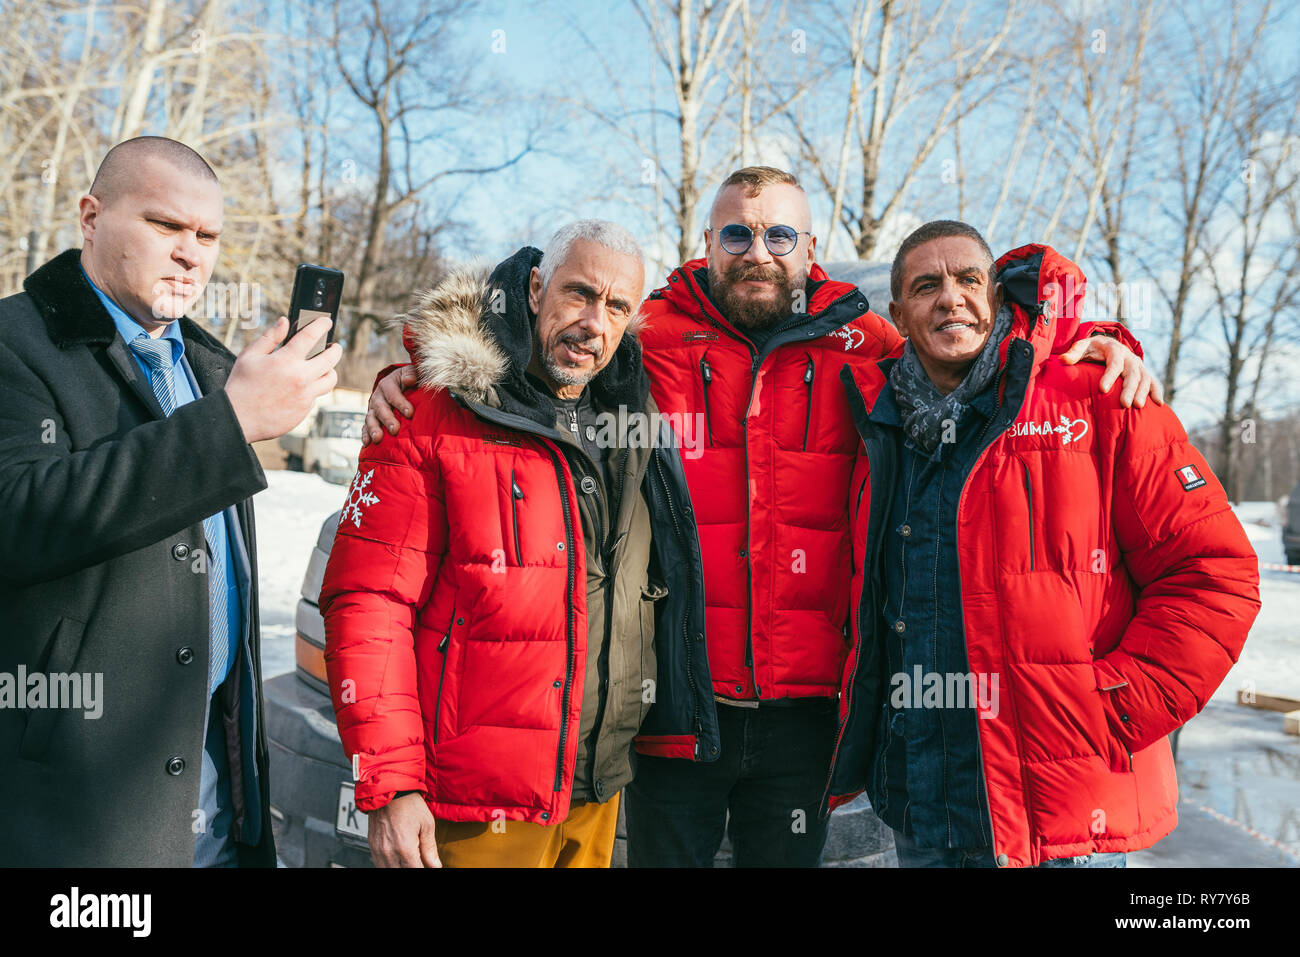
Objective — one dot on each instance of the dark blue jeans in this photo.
(770, 776)
(909, 855)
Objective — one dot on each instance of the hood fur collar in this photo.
(474, 332)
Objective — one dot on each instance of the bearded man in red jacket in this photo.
(1046, 583)
(750, 341)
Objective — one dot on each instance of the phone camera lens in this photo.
(320, 302)
(320, 285)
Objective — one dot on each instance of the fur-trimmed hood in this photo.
(474, 332)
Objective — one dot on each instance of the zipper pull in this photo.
(442, 645)
(708, 373)
(573, 421)
(808, 375)
(516, 491)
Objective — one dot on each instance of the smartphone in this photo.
(317, 291)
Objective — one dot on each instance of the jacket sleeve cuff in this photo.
(1114, 330)
(1136, 727)
(385, 371)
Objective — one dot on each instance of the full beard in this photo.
(754, 313)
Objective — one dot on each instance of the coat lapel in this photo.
(209, 360)
(129, 370)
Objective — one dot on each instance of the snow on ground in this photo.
(289, 514)
(1270, 662)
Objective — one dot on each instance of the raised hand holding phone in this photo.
(271, 390)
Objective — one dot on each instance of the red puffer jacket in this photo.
(769, 489)
(1104, 580)
(455, 599)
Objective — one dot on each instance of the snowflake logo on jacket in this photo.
(358, 497)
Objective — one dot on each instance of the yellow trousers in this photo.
(583, 839)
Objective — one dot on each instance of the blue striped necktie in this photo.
(157, 355)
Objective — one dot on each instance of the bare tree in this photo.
(921, 78)
(404, 73)
(1207, 91)
(1253, 261)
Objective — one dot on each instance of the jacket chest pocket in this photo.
(454, 627)
(516, 499)
(707, 402)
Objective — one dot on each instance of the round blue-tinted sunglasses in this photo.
(736, 238)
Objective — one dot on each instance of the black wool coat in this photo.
(102, 572)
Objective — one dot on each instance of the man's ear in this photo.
(998, 297)
(896, 316)
(535, 290)
(89, 207)
(812, 248)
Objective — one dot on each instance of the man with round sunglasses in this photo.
(747, 345)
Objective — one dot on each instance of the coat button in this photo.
(1003, 860)
(905, 530)
(588, 484)
(460, 621)
(742, 553)
(1124, 718)
(180, 551)
(546, 815)
(185, 655)
(899, 626)
(600, 788)
(555, 683)
(175, 766)
(559, 546)
(739, 689)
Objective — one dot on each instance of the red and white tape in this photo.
(1275, 567)
(1233, 822)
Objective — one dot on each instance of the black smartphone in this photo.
(317, 291)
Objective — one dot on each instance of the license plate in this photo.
(350, 821)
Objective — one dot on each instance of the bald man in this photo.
(130, 679)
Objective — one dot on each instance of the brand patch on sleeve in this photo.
(1190, 476)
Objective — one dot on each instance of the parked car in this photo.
(316, 820)
(1290, 508)
(328, 441)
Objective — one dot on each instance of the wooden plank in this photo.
(1291, 722)
(1266, 702)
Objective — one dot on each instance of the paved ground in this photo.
(1239, 784)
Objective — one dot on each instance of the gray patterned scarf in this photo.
(924, 408)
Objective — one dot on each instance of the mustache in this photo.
(745, 271)
(594, 346)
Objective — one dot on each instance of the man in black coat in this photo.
(131, 729)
